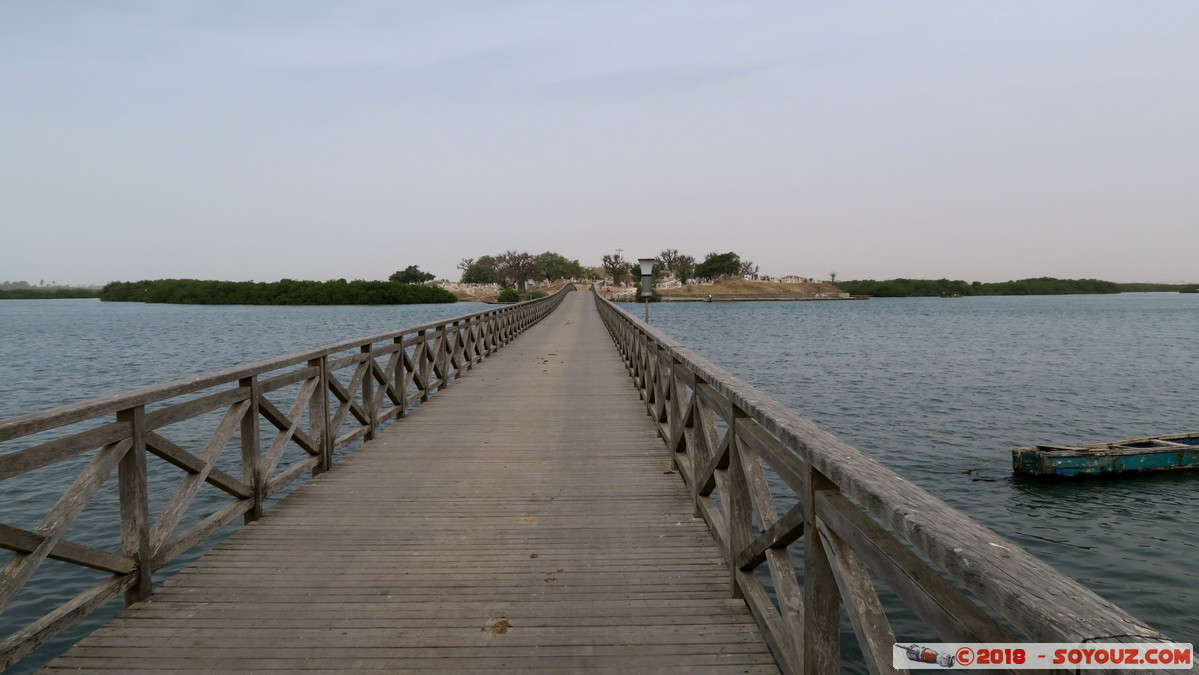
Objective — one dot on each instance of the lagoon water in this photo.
(938, 390)
(941, 390)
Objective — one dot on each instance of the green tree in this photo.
(670, 258)
(684, 268)
(616, 267)
(550, 266)
(717, 265)
(516, 267)
(481, 271)
(411, 275)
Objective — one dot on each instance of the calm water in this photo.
(938, 390)
(55, 352)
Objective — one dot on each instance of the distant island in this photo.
(911, 288)
(284, 292)
(48, 293)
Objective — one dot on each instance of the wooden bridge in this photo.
(529, 517)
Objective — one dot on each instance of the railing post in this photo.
(135, 505)
(740, 509)
(251, 450)
(399, 378)
(318, 416)
(422, 366)
(368, 392)
(822, 598)
(443, 360)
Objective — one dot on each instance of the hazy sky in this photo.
(316, 140)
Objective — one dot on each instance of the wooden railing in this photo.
(342, 393)
(835, 517)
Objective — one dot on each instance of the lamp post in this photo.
(647, 282)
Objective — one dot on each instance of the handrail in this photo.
(851, 516)
(327, 415)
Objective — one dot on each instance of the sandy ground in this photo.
(727, 287)
(492, 293)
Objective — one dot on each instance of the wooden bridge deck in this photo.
(524, 520)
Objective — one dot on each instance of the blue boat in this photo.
(1175, 452)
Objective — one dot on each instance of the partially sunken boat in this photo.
(1174, 452)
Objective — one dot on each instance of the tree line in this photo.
(518, 268)
(47, 293)
(682, 266)
(908, 288)
(284, 292)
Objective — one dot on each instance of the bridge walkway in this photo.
(524, 520)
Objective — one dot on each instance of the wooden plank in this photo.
(289, 427)
(949, 613)
(287, 379)
(171, 514)
(859, 597)
(251, 450)
(190, 409)
(24, 641)
(33, 423)
(166, 449)
(56, 523)
(782, 533)
(45, 454)
(289, 423)
(992, 568)
(134, 500)
(822, 602)
(291, 474)
(553, 511)
(24, 541)
(198, 533)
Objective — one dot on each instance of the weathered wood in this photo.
(251, 457)
(318, 417)
(412, 550)
(822, 602)
(32, 423)
(23, 461)
(783, 644)
(367, 388)
(289, 427)
(240, 387)
(738, 510)
(199, 532)
(56, 523)
(993, 569)
(135, 505)
(277, 382)
(787, 465)
(24, 541)
(24, 641)
(952, 615)
(168, 450)
(185, 411)
(860, 599)
(777, 534)
(191, 483)
(291, 475)
(289, 423)
(782, 533)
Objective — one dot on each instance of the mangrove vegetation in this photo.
(285, 292)
(910, 288)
